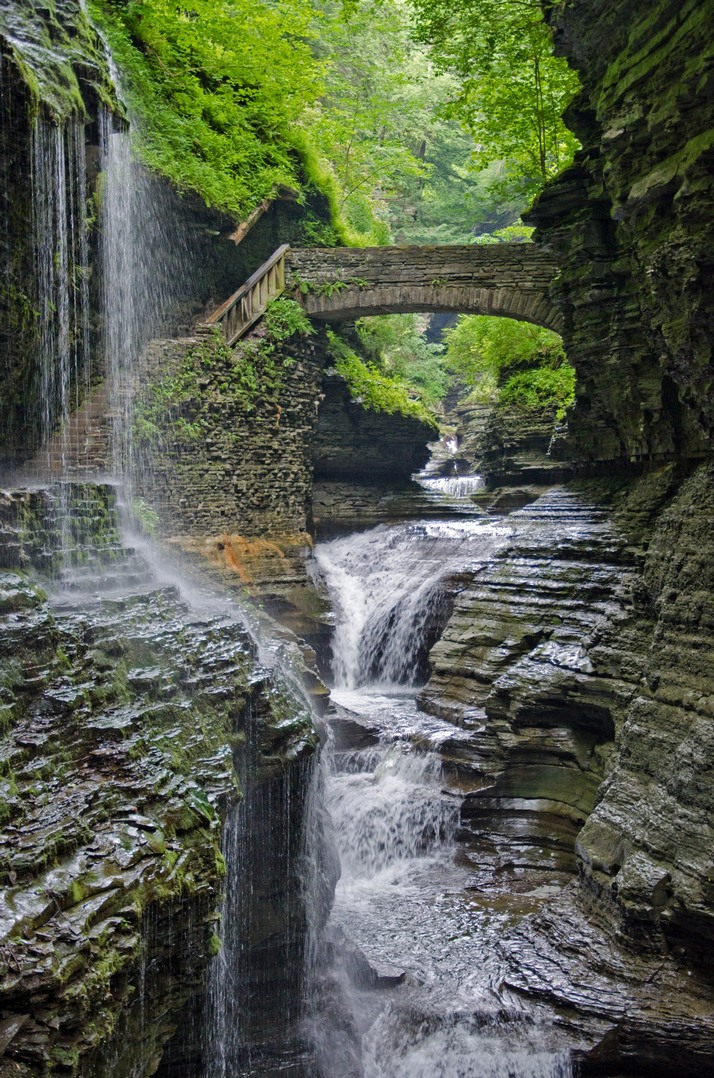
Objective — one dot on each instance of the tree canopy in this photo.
(219, 87)
(234, 99)
(511, 90)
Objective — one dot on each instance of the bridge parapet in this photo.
(510, 279)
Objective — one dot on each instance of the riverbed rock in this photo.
(580, 662)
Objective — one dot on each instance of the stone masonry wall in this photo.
(229, 447)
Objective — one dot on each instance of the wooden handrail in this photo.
(243, 309)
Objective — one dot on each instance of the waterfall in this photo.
(415, 986)
(227, 978)
(453, 486)
(387, 585)
(388, 808)
(61, 251)
(144, 271)
(258, 983)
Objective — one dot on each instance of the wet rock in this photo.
(586, 644)
(360, 444)
(363, 971)
(630, 225)
(127, 716)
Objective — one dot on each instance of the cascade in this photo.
(253, 1010)
(389, 586)
(61, 248)
(144, 262)
(417, 972)
(168, 658)
(454, 486)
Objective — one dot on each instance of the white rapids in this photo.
(403, 897)
(385, 585)
(453, 486)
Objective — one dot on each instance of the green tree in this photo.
(397, 345)
(512, 90)
(369, 123)
(219, 88)
(509, 362)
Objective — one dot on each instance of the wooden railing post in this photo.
(243, 309)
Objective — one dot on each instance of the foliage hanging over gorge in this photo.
(511, 364)
(374, 389)
(236, 100)
(397, 345)
(218, 87)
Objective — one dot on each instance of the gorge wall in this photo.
(611, 692)
(630, 226)
(135, 728)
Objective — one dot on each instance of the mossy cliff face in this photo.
(53, 78)
(58, 107)
(58, 55)
(126, 723)
(631, 225)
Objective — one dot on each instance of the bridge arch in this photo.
(511, 280)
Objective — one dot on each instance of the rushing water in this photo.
(453, 486)
(144, 263)
(61, 251)
(389, 585)
(432, 1006)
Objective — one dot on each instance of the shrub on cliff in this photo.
(540, 389)
(375, 390)
(217, 88)
(510, 363)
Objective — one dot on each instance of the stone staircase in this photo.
(83, 447)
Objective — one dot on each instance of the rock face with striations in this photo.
(361, 445)
(580, 659)
(631, 225)
(131, 726)
(507, 445)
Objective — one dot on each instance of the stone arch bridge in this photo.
(341, 283)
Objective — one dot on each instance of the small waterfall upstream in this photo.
(422, 999)
(453, 486)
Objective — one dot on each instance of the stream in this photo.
(418, 965)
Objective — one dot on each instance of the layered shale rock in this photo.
(130, 723)
(580, 660)
(359, 444)
(536, 662)
(506, 445)
(631, 227)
